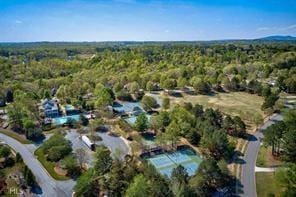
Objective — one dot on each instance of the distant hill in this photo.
(278, 38)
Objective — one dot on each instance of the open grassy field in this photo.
(247, 106)
(15, 136)
(266, 185)
(49, 166)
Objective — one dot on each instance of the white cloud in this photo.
(277, 29)
(263, 28)
(18, 22)
(289, 27)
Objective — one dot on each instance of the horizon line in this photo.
(213, 40)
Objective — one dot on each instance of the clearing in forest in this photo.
(245, 105)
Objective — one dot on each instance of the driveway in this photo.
(248, 168)
(49, 186)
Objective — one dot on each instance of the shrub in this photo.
(149, 102)
(56, 147)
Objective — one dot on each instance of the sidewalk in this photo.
(260, 169)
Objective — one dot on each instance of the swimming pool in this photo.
(63, 119)
(166, 162)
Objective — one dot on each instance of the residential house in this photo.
(50, 108)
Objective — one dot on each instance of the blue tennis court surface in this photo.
(161, 161)
(166, 162)
(191, 167)
(178, 157)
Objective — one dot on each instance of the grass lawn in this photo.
(53, 130)
(15, 136)
(265, 158)
(245, 105)
(49, 166)
(266, 184)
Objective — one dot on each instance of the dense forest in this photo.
(75, 69)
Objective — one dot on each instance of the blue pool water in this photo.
(166, 162)
(63, 119)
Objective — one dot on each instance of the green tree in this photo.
(208, 178)
(240, 126)
(116, 180)
(286, 178)
(149, 86)
(18, 157)
(269, 101)
(103, 160)
(139, 187)
(201, 86)
(193, 136)
(56, 147)
(16, 114)
(197, 110)
(149, 102)
(141, 123)
(179, 182)
(214, 117)
(159, 185)
(217, 145)
(133, 87)
(29, 177)
(104, 96)
(4, 151)
(169, 84)
(273, 137)
(181, 115)
(289, 144)
(86, 185)
(166, 103)
(172, 133)
(71, 165)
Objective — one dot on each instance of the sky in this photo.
(144, 20)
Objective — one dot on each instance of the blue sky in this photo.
(144, 20)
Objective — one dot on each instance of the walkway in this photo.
(260, 169)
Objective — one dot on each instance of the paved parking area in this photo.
(115, 144)
(77, 143)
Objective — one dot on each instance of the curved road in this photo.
(49, 186)
(248, 181)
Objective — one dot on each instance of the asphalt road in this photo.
(49, 186)
(248, 168)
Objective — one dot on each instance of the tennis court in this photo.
(166, 162)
